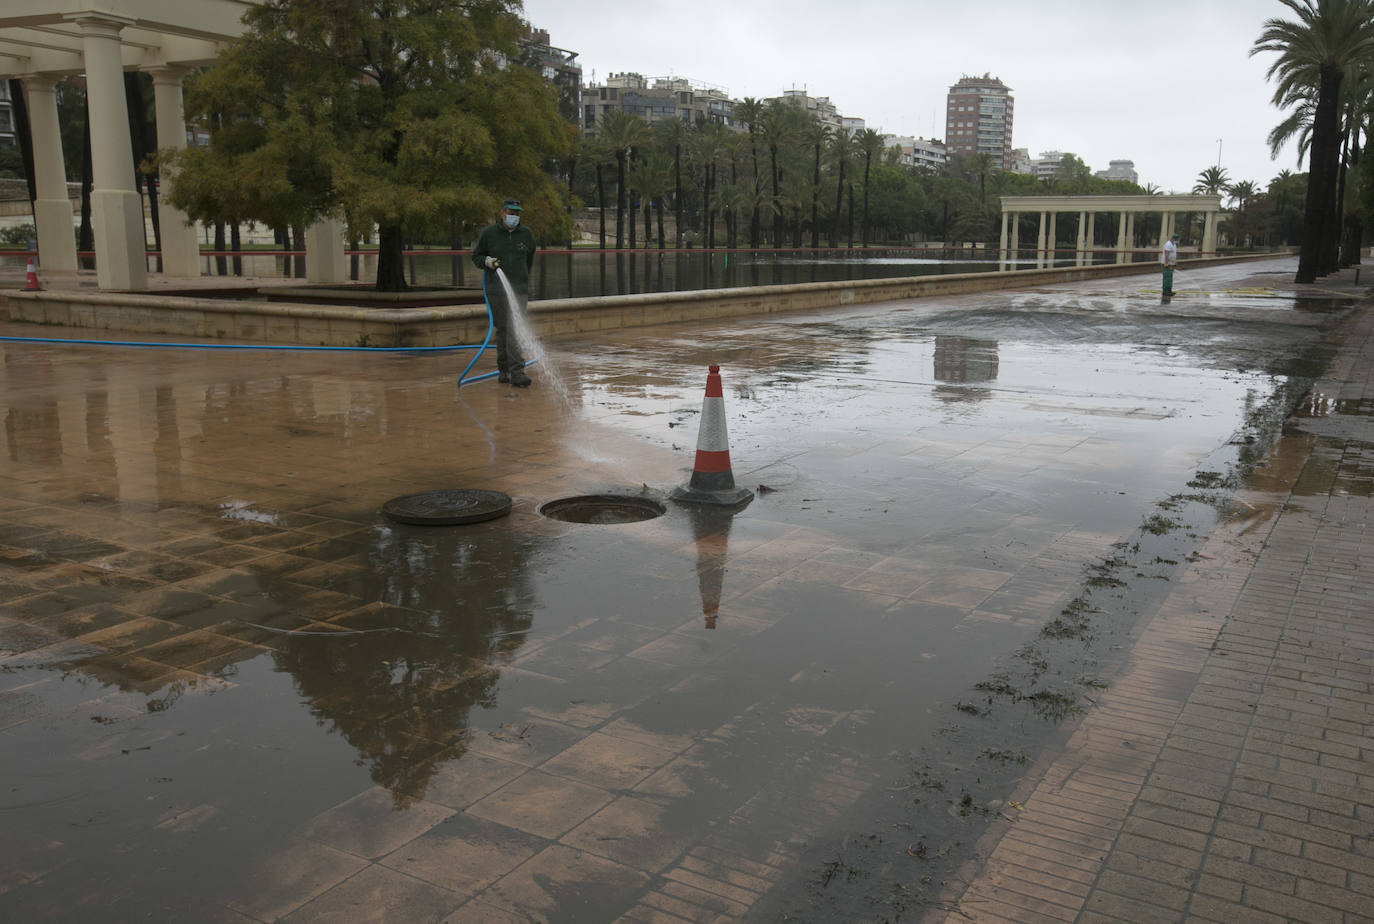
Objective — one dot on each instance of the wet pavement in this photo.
(231, 690)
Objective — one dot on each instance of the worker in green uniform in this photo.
(509, 247)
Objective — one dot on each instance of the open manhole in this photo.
(449, 507)
(604, 509)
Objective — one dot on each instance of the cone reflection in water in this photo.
(711, 529)
(712, 481)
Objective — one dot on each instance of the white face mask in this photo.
(512, 221)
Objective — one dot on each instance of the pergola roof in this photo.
(44, 36)
(1181, 203)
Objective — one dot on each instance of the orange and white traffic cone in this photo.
(31, 279)
(712, 480)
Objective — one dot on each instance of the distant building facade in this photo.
(1046, 165)
(920, 153)
(1119, 170)
(819, 106)
(559, 67)
(666, 98)
(979, 112)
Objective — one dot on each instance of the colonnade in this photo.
(1126, 208)
(39, 45)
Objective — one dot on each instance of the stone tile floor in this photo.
(217, 661)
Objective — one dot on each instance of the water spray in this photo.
(491, 326)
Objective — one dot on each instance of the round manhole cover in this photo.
(450, 507)
(605, 509)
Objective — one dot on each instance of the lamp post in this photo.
(1218, 153)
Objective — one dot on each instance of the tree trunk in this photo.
(850, 235)
(778, 218)
(1354, 224)
(391, 276)
(677, 194)
(649, 222)
(754, 225)
(221, 264)
(236, 245)
(1331, 246)
(815, 201)
(868, 160)
(658, 208)
(601, 203)
(839, 202)
(619, 200)
(1322, 155)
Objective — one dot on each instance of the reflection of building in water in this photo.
(963, 361)
(400, 679)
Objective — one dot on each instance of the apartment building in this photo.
(979, 113)
(819, 106)
(921, 153)
(657, 101)
(8, 138)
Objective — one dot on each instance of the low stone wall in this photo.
(327, 325)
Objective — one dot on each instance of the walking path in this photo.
(1228, 775)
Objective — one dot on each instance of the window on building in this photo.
(589, 116)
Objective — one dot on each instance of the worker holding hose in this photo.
(507, 247)
(1168, 259)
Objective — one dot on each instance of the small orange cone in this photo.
(712, 480)
(31, 280)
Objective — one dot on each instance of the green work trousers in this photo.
(1168, 279)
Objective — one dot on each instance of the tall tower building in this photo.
(978, 116)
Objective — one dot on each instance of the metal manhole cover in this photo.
(604, 509)
(449, 507)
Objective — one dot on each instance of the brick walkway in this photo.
(1229, 773)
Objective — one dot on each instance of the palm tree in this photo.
(750, 111)
(621, 132)
(673, 135)
(708, 144)
(817, 136)
(654, 179)
(777, 127)
(870, 142)
(1329, 38)
(1212, 181)
(841, 151)
(1241, 193)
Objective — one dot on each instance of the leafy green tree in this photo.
(1328, 38)
(779, 129)
(842, 150)
(398, 115)
(750, 112)
(817, 137)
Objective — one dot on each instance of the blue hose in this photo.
(491, 325)
(244, 346)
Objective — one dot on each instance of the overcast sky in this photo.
(1156, 82)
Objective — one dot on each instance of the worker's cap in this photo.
(511, 205)
(1174, 235)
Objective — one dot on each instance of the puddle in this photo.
(962, 514)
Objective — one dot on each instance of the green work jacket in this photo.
(515, 250)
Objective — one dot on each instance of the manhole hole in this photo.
(450, 507)
(605, 509)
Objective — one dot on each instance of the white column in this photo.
(1081, 246)
(325, 260)
(1121, 238)
(1002, 245)
(1130, 234)
(1015, 235)
(1092, 234)
(1052, 238)
(52, 210)
(180, 248)
(121, 259)
(1209, 234)
(1166, 222)
(1040, 239)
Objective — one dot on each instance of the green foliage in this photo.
(18, 235)
(11, 162)
(404, 116)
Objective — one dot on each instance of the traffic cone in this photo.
(31, 279)
(712, 480)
